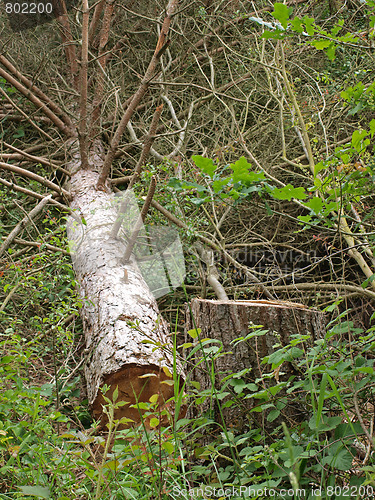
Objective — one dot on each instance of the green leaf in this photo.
(205, 164)
(194, 332)
(315, 204)
(154, 422)
(322, 392)
(241, 171)
(358, 139)
(275, 34)
(331, 52)
(309, 24)
(341, 460)
(305, 218)
(372, 127)
(168, 447)
(321, 44)
(325, 423)
(281, 13)
(35, 491)
(273, 414)
(288, 192)
(297, 24)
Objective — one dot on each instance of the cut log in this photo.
(228, 320)
(126, 337)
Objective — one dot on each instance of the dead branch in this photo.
(160, 46)
(102, 60)
(213, 276)
(37, 102)
(37, 178)
(82, 129)
(139, 223)
(214, 246)
(68, 42)
(33, 194)
(25, 115)
(23, 223)
(150, 137)
(36, 159)
(35, 90)
(38, 244)
(95, 20)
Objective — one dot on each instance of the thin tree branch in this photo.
(68, 42)
(36, 91)
(102, 60)
(33, 194)
(150, 137)
(24, 115)
(214, 246)
(35, 100)
(160, 46)
(83, 132)
(139, 223)
(37, 178)
(38, 244)
(23, 223)
(36, 159)
(95, 20)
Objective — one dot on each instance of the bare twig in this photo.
(149, 139)
(35, 100)
(102, 60)
(35, 90)
(23, 223)
(83, 133)
(36, 177)
(160, 47)
(139, 223)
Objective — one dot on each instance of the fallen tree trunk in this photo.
(226, 321)
(127, 341)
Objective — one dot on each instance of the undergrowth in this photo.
(49, 452)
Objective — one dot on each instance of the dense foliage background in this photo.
(265, 147)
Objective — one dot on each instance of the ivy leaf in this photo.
(205, 164)
(281, 13)
(288, 192)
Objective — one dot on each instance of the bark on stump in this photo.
(229, 320)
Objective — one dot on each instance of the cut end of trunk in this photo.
(135, 386)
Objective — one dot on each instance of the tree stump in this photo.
(228, 320)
